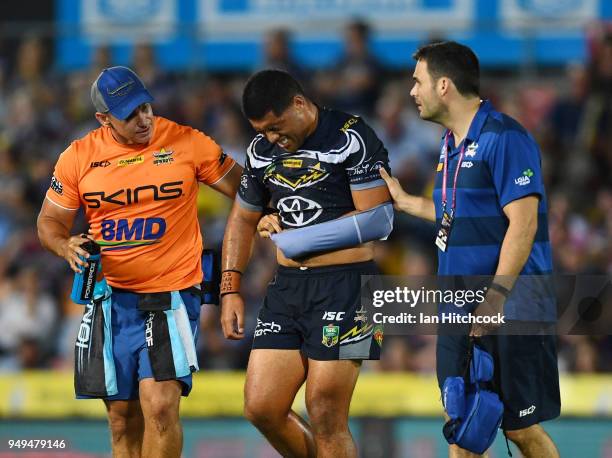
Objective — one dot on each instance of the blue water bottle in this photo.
(85, 281)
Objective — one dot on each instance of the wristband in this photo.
(230, 282)
(500, 289)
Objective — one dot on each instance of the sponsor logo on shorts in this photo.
(527, 411)
(331, 335)
(356, 334)
(57, 185)
(163, 157)
(379, 335)
(264, 328)
(131, 161)
(222, 158)
(361, 316)
(149, 329)
(333, 316)
(85, 327)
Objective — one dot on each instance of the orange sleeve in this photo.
(211, 162)
(64, 189)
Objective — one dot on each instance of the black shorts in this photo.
(318, 311)
(526, 375)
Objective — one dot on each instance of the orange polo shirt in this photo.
(140, 201)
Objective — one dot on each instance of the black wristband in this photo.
(232, 270)
(500, 289)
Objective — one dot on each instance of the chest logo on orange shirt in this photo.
(131, 161)
(163, 157)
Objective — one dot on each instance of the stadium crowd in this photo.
(569, 111)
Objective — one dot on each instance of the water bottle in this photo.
(85, 281)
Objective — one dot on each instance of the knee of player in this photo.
(523, 435)
(162, 414)
(118, 426)
(326, 415)
(262, 415)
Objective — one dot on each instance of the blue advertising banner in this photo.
(227, 34)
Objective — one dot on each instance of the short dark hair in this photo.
(269, 90)
(455, 61)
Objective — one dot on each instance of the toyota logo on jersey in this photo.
(298, 211)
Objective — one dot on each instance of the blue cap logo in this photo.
(119, 91)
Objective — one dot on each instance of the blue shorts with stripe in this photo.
(129, 344)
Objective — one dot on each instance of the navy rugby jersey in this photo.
(313, 184)
(501, 163)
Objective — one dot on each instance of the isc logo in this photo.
(140, 229)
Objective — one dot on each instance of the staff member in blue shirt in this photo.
(490, 211)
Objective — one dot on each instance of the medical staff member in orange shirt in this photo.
(136, 177)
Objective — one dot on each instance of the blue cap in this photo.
(118, 91)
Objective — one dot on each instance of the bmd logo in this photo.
(122, 235)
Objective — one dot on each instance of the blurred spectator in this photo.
(354, 83)
(27, 319)
(277, 55)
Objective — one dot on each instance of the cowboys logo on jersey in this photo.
(313, 184)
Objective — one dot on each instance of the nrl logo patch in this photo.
(331, 334)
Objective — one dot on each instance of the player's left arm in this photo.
(369, 198)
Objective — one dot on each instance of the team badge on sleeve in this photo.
(57, 186)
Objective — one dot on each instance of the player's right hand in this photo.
(232, 316)
(71, 249)
(268, 225)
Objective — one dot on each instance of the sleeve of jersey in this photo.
(211, 163)
(368, 157)
(64, 190)
(252, 194)
(516, 167)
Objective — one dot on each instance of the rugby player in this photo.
(312, 165)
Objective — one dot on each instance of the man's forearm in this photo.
(238, 240)
(421, 207)
(515, 251)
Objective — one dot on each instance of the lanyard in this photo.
(446, 153)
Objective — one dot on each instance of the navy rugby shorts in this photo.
(318, 311)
